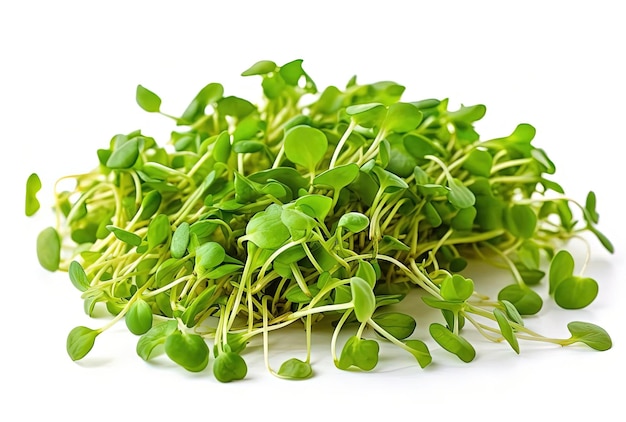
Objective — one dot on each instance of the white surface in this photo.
(67, 80)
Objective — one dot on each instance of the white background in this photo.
(68, 72)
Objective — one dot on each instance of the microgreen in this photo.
(49, 249)
(33, 185)
(311, 205)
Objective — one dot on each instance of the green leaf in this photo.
(139, 317)
(200, 304)
(261, 67)
(153, 338)
(398, 324)
(292, 72)
(360, 353)
(388, 181)
(338, 177)
(222, 148)
(210, 255)
(603, 239)
(451, 342)
(520, 220)
(479, 163)
(229, 366)
(367, 115)
(366, 271)
(235, 107)
(402, 117)
(315, 206)
(575, 292)
(180, 240)
(506, 330)
(248, 147)
(80, 341)
(159, 231)
(420, 351)
(525, 300)
(33, 185)
(49, 249)
(188, 350)
(210, 94)
(591, 335)
(456, 288)
(420, 146)
(561, 267)
(454, 306)
(266, 229)
(78, 277)
(460, 196)
(306, 146)
(124, 156)
(354, 222)
(295, 369)
(147, 100)
(125, 236)
(150, 204)
(590, 208)
(363, 299)
(512, 312)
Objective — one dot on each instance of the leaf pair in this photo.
(570, 291)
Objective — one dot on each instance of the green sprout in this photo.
(316, 205)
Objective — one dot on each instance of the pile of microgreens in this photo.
(256, 217)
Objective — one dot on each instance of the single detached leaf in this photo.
(80, 341)
(575, 292)
(78, 277)
(139, 317)
(451, 342)
(592, 335)
(49, 249)
(506, 330)
(229, 366)
(156, 336)
(147, 100)
(33, 185)
(295, 369)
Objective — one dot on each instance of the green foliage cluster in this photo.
(312, 205)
